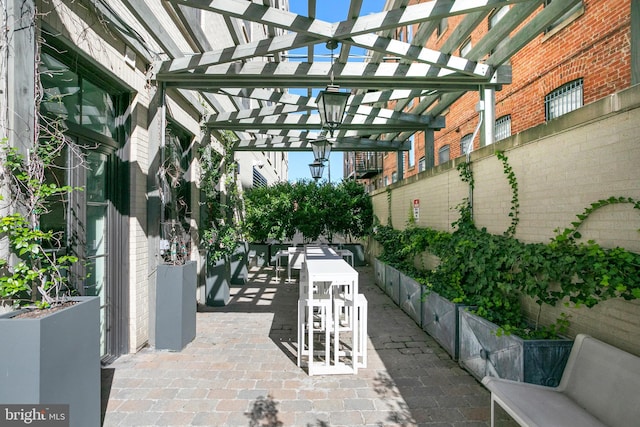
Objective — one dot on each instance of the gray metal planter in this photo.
(483, 353)
(175, 311)
(440, 320)
(217, 281)
(239, 264)
(54, 359)
(379, 268)
(259, 254)
(392, 283)
(411, 297)
(358, 253)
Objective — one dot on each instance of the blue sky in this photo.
(331, 11)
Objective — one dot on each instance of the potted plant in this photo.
(173, 317)
(222, 238)
(50, 348)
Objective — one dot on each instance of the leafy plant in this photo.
(313, 209)
(38, 274)
(492, 272)
(222, 227)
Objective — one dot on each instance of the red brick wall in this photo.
(595, 46)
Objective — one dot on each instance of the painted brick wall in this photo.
(561, 168)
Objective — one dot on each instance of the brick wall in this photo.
(561, 167)
(595, 46)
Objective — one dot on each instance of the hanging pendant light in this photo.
(316, 168)
(321, 149)
(331, 102)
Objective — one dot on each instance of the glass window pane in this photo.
(61, 90)
(98, 109)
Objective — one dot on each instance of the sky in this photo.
(331, 11)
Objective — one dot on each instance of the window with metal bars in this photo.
(443, 154)
(563, 100)
(502, 127)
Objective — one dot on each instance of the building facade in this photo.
(85, 65)
(587, 54)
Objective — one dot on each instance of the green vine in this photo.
(466, 174)
(514, 213)
(572, 232)
(492, 272)
(389, 221)
(223, 227)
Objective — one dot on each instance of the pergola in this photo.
(246, 84)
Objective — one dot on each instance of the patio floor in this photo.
(241, 371)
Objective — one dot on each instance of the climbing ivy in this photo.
(491, 272)
(514, 213)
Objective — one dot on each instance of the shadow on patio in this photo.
(241, 371)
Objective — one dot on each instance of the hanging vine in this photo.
(514, 213)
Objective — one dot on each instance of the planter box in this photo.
(358, 253)
(239, 264)
(411, 297)
(259, 254)
(54, 359)
(379, 268)
(483, 353)
(216, 286)
(392, 283)
(175, 311)
(440, 320)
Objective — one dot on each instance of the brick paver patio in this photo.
(241, 371)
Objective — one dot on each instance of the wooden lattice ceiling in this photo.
(246, 84)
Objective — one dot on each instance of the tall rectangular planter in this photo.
(239, 264)
(176, 307)
(54, 359)
(411, 297)
(392, 283)
(379, 268)
(483, 352)
(217, 281)
(440, 320)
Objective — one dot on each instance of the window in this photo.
(258, 179)
(394, 177)
(386, 181)
(465, 142)
(465, 47)
(443, 154)
(411, 154)
(422, 163)
(564, 19)
(502, 128)
(70, 96)
(563, 100)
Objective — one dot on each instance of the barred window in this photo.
(563, 100)
(258, 179)
(502, 128)
(422, 164)
(443, 154)
(465, 141)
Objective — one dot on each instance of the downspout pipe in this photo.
(480, 110)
